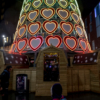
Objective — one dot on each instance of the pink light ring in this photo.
(38, 45)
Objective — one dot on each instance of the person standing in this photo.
(56, 92)
(5, 75)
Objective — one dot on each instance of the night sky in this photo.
(12, 10)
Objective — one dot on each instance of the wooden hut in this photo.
(42, 87)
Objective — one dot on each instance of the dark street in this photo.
(72, 96)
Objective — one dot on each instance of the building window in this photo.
(97, 10)
(86, 22)
(90, 17)
(93, 45)
(90, 27)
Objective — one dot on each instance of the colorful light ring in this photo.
(67, 25)
(85, 34)
(79, 30)
(64, 12)
(61, 3)
(73, 6)
(23, 18)
(19, 31)
(35, 26)
(36, 12)
(50, 11)
(83, 44)
(37, 42)
(28, 6)
(25, 41)
(47, 2)
(56, 43)
(39, 2)
(74, 15)
(53, 25)
(16, 34)
(13, 47)
(70, 42)
(88, 46)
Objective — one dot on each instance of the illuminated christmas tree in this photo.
(45, 22)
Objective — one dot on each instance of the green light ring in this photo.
(75, 27)
(25, 10)
(23, 20)
(25, 1)
(72, 7)
(38, 5)
(50, 5)
(73, 17)
(63, 5)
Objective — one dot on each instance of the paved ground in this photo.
(73, 96)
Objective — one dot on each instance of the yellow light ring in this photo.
(32, 11)
(59, 1)
(76, 25)
(29, 4)
(38, 4)
(36, 23)
(16, 34)
(26, 1)
(50, 5)
(88, 45)
(47, 9)
(66, 23)
(73, 13)
(11, 49)
(72, 4)
(50, 22)
(85, 34)
(58, 13)
(24, 15)
(24, 26)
